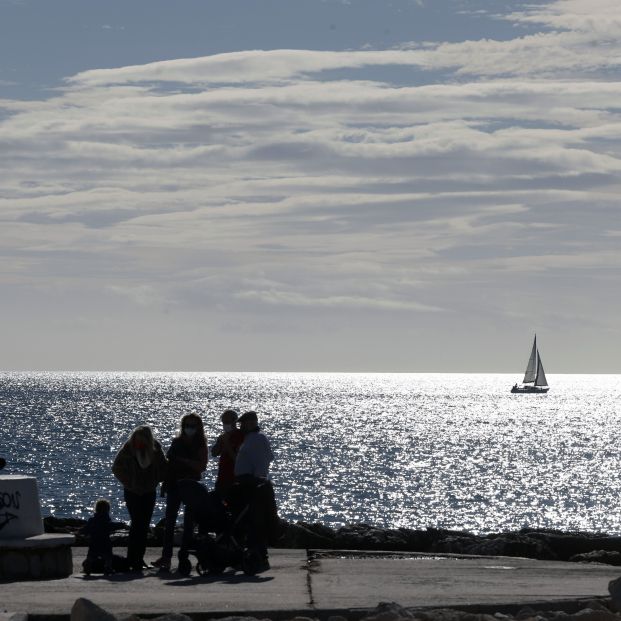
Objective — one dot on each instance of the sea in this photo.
(455, 451)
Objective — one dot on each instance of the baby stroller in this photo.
(231, 528)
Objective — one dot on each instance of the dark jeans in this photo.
(173, 504)
(258, 496)
(140, 507)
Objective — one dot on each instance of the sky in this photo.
(297, 185)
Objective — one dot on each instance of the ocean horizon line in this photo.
(295, 372)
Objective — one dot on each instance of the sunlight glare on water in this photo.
(411, 450)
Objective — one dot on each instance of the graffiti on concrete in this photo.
(9, 500)
(5, 518)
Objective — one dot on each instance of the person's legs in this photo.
(188, 528)
(140, 507)
(256, 519)
(173, 502)
(132, 502)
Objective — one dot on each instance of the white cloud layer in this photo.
(289, 181)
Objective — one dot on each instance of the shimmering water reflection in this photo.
(413, 450)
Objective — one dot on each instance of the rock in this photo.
(316, 527)
(174, 616)
(388, 611)
(298, 536)
(336, 618)
(596, 604)
(609, 557)
(525, 613)
(366, 537)
(52, 524)
(85, 610)
(477, 617)
(453, 544)
(510, 544)
(441, 614)
(566, 545)
(238, 618)
(588, 614)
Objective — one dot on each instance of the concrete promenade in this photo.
(315, 583)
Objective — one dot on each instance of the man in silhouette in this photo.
(254, 489)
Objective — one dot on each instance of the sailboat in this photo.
(534, 378)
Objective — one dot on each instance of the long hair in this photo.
(198, 439)
(142, 443)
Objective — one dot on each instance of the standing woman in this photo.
(140, 465)
(187, 459)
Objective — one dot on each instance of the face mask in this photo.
(227, 427)
(189, 431)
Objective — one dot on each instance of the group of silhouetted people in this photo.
(244, 455)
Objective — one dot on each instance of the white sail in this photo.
(531, 368)
(540, 380)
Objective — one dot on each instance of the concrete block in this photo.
(34, 565)
(20, 510)
(14, 566)
(49, 567)
(64, 561)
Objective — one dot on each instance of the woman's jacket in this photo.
(135, 478)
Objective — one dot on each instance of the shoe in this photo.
(162, 564)
(262, 565)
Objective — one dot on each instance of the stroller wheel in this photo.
(185, 567)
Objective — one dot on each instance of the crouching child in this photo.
(98, 528)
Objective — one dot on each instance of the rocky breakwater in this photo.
(594, 610)
(529, 543)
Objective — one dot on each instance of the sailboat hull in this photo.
(529, 389)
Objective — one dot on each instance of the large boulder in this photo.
(85, 610)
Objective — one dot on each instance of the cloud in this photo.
(298, 179)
